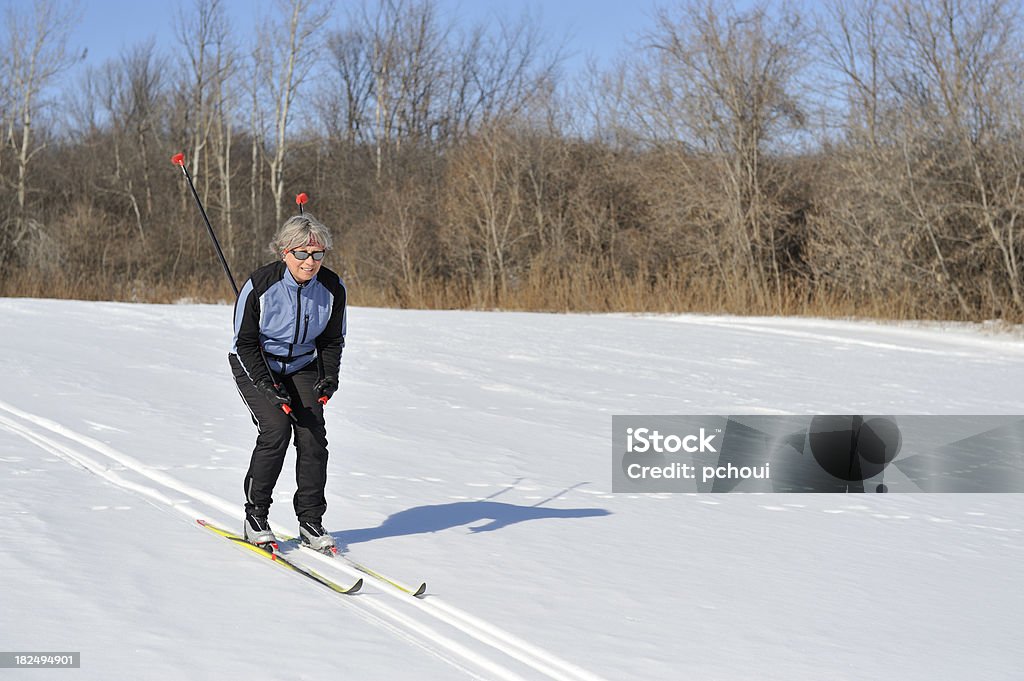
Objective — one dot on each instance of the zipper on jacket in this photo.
(305, 328)
(298, 315)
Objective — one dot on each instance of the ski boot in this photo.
(313, 535)
(258, 532)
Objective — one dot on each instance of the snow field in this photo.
(472, 450)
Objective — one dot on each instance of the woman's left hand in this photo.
(326, 387)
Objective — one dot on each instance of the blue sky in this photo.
(597, 28)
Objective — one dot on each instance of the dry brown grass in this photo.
(574, 288)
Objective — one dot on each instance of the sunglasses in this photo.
(302, 255)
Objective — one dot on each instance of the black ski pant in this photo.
(275, 431)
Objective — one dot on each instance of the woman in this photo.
(289, 334)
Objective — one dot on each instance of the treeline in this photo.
(867, 159)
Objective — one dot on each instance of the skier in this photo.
(289, 334)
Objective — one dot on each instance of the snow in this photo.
(472, 450)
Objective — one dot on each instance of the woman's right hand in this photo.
(275, 393)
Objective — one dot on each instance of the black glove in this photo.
(276, 394)
(326, 387)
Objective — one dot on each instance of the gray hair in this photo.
(298, 231)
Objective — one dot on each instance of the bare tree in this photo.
(128, 95)
(403, 75)
(931, 156)
(486, 220)
(406, 46)
(36, 50)
(255, 73)
(854, 41)
(721, 88)
(289, 49)
(400, 226)
(144, 105)
(208, 67)
(958, 74)
(344, 102)
(497, 71)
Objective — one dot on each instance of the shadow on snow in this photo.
(423, 519)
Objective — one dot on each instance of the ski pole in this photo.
(179, 160)
(301, 199)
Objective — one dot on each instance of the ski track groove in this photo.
(415, 632)
(830, 335)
